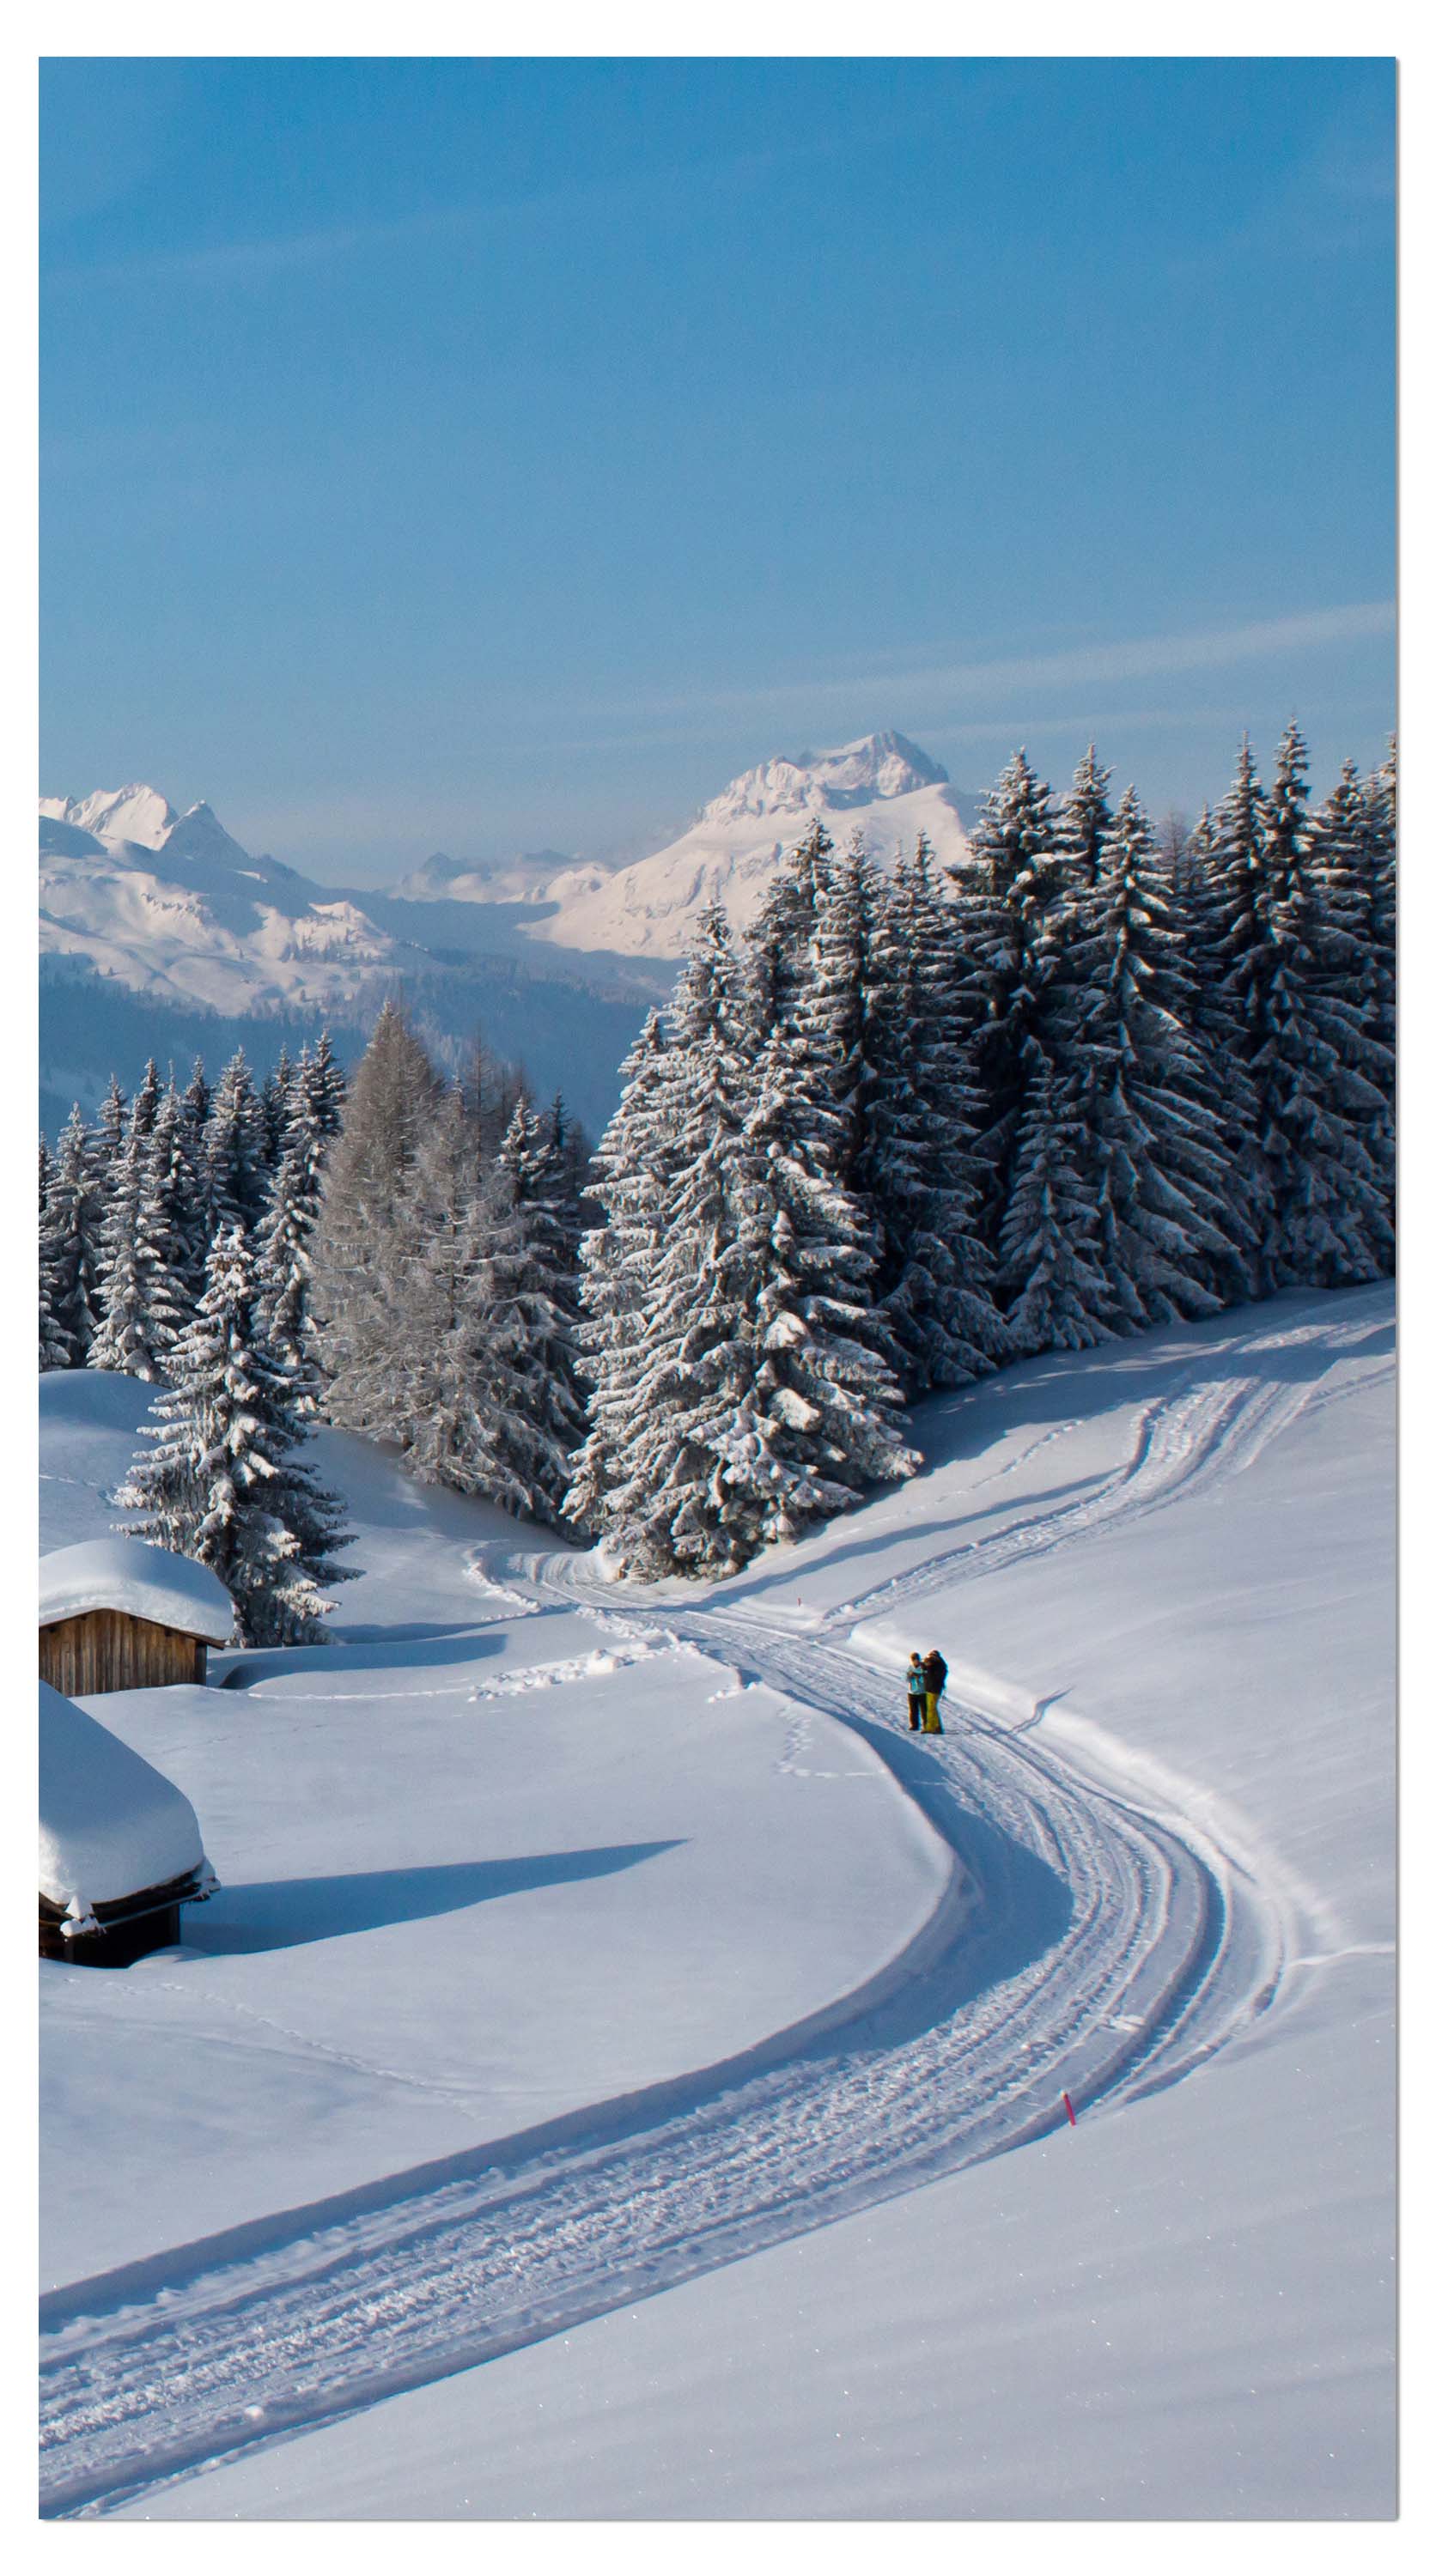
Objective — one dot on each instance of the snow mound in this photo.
(148, 1582)
(110, 1824)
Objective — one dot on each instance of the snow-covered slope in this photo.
(426, 1936)
(881, 785)
(867, 2269)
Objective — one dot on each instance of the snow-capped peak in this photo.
(874, 768)
(199, 835)
(135, 813)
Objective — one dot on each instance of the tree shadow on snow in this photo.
(1079, 1385)
(788, 1573)
(285, 1913)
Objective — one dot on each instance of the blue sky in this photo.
(448, 454)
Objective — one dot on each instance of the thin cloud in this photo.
(1080, 666)
(266, 256)
(242, 260)
(930, 697)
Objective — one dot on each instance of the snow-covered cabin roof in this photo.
(146, 1582)
(110, 1824)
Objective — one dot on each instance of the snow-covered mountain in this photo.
(135, 813)
(161, 935)
(154, 924)
(882, 785)
(171, 905)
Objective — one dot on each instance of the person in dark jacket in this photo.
(934, 1675)
(916, 1692)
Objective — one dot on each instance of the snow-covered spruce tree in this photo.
(326, 1086)
(1173, 836)
(224, 1482)
(1318, 1205)
(777, 946)
(1008, 917)
(130, 1337)
(632, 1166)
(1083, 823)
(108, 1140)
(70, 1249)
(665, 1501)
(1138, 1090)
(283, 1241)
(921, 1174)
(835, 1042)
(1356, 978)
(490, 1402)
(1346, 1226)
(1381, 807)
(1347, 871)
(1057, 1295)
(536, 1166)
(197, 1102)
(1196, 903)
(144, 1108)
(360, 1247)
(513, 1351)
(822, 1421)
(55, 1350)
(173, 1216)
(234, 1163)
(274, 1107)
(571, 1154)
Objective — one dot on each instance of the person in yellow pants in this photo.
(934, 1674)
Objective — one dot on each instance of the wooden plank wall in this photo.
(107, 1650)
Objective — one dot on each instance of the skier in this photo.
(934, 1676)
(916, 1692)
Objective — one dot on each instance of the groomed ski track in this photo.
(1085, 1944)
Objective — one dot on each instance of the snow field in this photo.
(426, 1934)
(1172, 1814)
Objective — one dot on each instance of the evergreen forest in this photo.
(909, 1128)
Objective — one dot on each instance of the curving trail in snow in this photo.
(1086, 1944)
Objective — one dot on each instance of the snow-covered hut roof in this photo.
(110, 1825)
(147, 1582)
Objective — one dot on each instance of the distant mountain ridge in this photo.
(168, 908)
(187, 913)
(160, 933)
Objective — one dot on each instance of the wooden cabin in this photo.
(118, 1614)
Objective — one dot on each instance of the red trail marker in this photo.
(1067, 2106)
